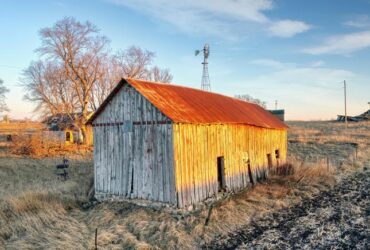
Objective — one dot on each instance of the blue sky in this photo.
(296, 52)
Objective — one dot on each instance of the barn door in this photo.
(250, 172)
(221, 173)
(269, 161)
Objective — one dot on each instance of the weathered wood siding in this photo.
(133, 149)
(196, 148)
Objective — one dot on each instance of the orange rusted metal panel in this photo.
(188, 105)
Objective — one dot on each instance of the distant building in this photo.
(180, 145)
(66, 123)
(363, 117)
(279, 113)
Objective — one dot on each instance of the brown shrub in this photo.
(33, 145)
(319, 171)
(39, 145)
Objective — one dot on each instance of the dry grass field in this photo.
(318, 203)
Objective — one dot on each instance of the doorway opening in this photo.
(250, 172)
(132, 182)
(269, 161)
(68, 136)
(221, 173)
(277, 156)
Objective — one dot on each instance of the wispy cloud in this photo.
(288, 28)
(317, 64)
(225, 18)
(271, 63)
(342, 44)
(307, 92)
(360, 22)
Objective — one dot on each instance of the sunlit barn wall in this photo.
(196, 148)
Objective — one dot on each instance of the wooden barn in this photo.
(179, 145)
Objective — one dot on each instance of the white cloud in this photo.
(342, 44)
(317, 64)
(270, 63)
(226, 18)
(360, 22)
(288, 28)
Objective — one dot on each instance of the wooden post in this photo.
(208, 215)
(345, 104)
(328, 163)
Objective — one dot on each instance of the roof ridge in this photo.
(187, 87)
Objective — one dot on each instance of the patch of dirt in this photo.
(334, 219)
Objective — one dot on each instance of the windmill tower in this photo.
(206, 85)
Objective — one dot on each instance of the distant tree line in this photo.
(249, 98)
(3, 91)
(77, 69)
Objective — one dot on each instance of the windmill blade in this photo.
(197, 52)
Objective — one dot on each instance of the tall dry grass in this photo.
(38, 211)
(330, 131)
(35, 205)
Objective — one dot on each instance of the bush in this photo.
(34, 145)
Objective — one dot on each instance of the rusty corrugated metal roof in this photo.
(188, 105)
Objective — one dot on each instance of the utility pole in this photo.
(276, 104)
(345, 104)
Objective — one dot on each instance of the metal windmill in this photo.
(206, 85)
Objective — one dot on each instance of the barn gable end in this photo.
(133, 150)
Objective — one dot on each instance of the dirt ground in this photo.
(338, 218)
(334, 219)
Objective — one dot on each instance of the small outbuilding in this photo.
(180, 145)
(62, 126)
(279, 113)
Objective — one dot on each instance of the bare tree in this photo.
(3, 91)
(79, 49)
(160, 75)
(134, 62)
(249, 98)
(47, 86)
(76, 71)
(112, 75)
